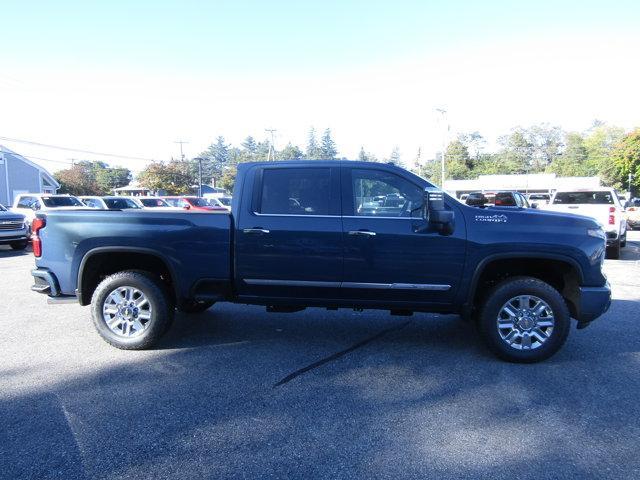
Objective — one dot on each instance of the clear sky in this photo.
(132, 77)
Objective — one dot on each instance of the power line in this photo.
(70, 149)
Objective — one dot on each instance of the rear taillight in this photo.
(612, 217)
(36, 225)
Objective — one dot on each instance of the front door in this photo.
(387, 256)
(289, 235)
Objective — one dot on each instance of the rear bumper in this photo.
(592, 302)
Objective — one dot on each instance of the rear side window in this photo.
(295, 191)
(590, 198)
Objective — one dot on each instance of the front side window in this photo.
(383, 194)
(198, 202)
(296, 191)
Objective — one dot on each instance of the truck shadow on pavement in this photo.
(6, 251)
(417, 397)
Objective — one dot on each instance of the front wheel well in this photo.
(561, 275)
(100, 265)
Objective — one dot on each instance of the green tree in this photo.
(395, 157)
(328, 150)
(573, 161)
(474, 142)
(366, 156)
(249, 145)
(290, 152)
(175, 177)
(626, 160)
(313, 149)
(458, 161)
(215, 158)
(600, 142)
(77, 180)
(109, 178)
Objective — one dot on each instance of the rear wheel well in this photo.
(561, 275)
(100, 265)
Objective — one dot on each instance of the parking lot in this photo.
(238, 393)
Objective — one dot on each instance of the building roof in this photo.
(8, 153)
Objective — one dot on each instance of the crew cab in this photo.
(603, 205)
(298, 236)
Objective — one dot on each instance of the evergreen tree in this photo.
(395, 157)
(215, 159)
(249, 145)
(313, 149)
(328, 150)
(290, 152)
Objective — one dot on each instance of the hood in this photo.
(11, 217)
(531, 216)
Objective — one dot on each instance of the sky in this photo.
(133, 77)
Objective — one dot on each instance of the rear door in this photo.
(289, 233)
(388, 258)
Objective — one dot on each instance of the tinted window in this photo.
(198, 202)
(383, 194)
(120, 203)
(592, 198)
(296, 191)
(153, 202)
(505, 199)
(53, 202)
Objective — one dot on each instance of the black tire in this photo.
(509, 289)
(613, 252)
(193, 306)
(161, 309)
(21, 245)
(623, 241)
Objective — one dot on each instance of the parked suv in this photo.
(14, 230)
(110, 203)
(29, 203)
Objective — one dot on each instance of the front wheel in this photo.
(21, 245)
(131, 310)
(524, 320)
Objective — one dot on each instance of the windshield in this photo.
(120, 203)
(589, 198)
(226, 201)
(53, 202)
(153, 202)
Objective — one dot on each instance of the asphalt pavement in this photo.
(238, 393)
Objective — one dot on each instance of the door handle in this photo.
(364, 233)
(256, 231)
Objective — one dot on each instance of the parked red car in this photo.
(196, 204)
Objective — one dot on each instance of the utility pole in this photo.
(445, 130)
(181, 142)
(630, 178)
(272, 149)
(199, 159)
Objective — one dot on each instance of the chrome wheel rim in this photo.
(126, 311)
(525, 322)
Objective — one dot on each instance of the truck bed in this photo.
(195, 246)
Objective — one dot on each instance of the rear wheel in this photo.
(524, 320)
(21, 245)
(613, 252)
(131, 310)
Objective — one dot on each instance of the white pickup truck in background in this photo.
(601, 204)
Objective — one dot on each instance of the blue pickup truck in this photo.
(331, 234)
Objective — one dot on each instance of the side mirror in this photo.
(187, 207)
(435, 213)
(534, 205)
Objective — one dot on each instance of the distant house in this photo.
(134, 189)
(20, 175)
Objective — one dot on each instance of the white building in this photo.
(531, 183)
(20, 175)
